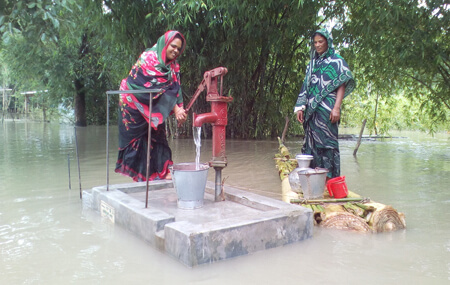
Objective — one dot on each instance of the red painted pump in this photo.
(218, 118)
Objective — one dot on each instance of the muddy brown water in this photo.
(46, 237)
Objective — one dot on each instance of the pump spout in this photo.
(204, 118)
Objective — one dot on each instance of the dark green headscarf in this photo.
(324, 74)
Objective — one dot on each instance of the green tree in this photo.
(262, 43)
(55, 41)
(401, 47)
(79, 49)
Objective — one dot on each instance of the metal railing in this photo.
(150, 92)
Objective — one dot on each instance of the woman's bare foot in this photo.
(168, 176)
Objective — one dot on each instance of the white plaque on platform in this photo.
(107, 211)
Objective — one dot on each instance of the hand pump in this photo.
(218, 118)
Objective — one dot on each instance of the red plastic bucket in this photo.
(337, 187)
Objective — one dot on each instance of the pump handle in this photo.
(207, 76)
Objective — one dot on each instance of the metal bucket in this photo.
(294, 180)
(313, 182)
(190, 184)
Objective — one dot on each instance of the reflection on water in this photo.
(47, 238)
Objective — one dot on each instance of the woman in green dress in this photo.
(327, 82)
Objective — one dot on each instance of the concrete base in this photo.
(243, 223)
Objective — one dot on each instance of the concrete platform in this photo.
(244, 223)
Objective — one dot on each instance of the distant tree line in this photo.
(79, 49)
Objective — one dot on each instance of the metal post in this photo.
(78, 160)
(218, 188)
(149, 140)
(68, 166)
(107, 141)
(3, 101)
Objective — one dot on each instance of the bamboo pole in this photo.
(303, 201)
(286, 125)
(360, 136)
(375, 116)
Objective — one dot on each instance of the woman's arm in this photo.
(335, 114)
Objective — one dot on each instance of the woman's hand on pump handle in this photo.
(180, 114)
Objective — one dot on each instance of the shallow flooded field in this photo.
(47, 238)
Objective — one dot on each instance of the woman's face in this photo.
(320, 44)
(174, 49)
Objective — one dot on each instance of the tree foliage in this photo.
(77, 50)
(49, 46)
(401, 48)
(261, 44)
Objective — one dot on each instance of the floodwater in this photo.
(46, 237)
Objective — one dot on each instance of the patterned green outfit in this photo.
(324, 74)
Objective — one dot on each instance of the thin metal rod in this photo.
(107, 141)
(78, 160)
(68, 167)
(149, 140)
(140, 91)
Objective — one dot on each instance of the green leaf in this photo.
(55, 23)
